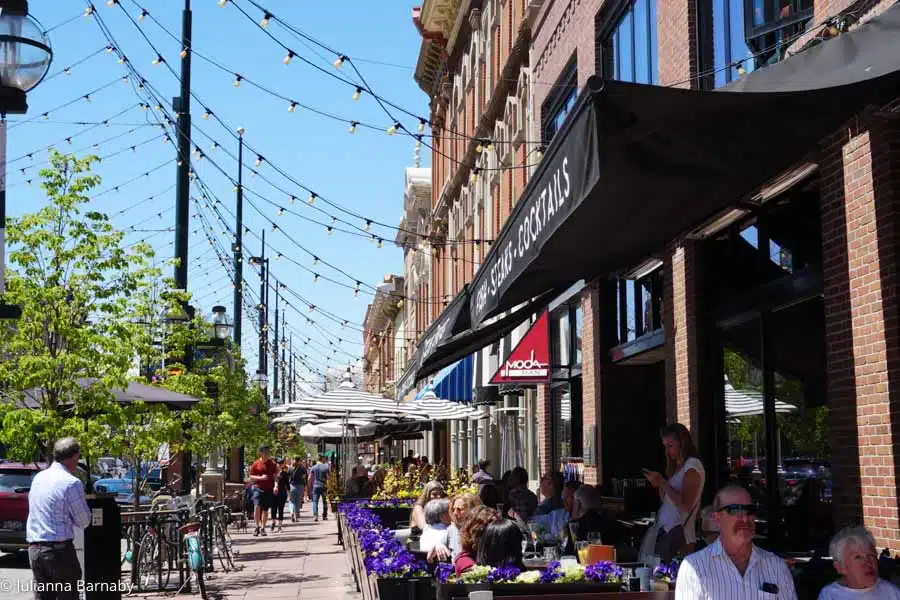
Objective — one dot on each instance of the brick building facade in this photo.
(818, 330)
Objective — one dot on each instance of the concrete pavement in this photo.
(303, 562)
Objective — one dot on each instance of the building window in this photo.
(560, 102)
(629, 48)
(772, 25)
(730, 48)
(640, 305)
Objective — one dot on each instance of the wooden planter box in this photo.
(417, 588)
(392, 518)
(451, 591)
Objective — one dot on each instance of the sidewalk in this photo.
(303, 562)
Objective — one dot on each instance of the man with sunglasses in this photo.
(733, 567)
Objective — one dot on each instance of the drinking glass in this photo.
(595, 538)
(551, 553)
(581, 549)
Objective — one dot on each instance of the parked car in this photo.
(122, 488)
(15, 482)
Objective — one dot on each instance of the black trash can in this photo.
(103, 550)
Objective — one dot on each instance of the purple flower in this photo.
(551, 573)
(443, 571)
(604, 571)
(666, 572)
(504, 574)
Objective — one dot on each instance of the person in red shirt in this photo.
(262, 480)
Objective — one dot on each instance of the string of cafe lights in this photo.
(313, 196)
(124, 60)
(82, 97)
(68, 69)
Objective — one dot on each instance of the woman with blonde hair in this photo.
(460, 506)
(680, 491)
(433, 490)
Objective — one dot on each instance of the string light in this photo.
(215, 146)
(280, 212)
(312, 198)
(315, 260)
(206, 114)
(479, 148)
(237, 80)
(352, 129)
(380, 241)
(184, 53)
(368, 225)
(259, 160)
(278, 257)
(315, 278)
(473, 177)
(293, 199)
(418, 142)
(393, 128)
(292, 106)
(223, 2)
(421, 125)
(111, 3)
(68, 71)
(143, 14)
(339, 62)
(158, 60)
(741, 71)
(330, 230)
(89, 10)
(87, 98)
(357, 93)
(274, 227)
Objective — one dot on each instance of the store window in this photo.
(566, 408)
(560, 102)
(640, 305)
(731, 53)
(773, 25)
(629, 48)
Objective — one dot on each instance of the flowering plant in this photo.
(666, 572)
(443, 572)
(604, 571)
(504, 574)
(384, 556)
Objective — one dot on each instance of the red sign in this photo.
(529, 362)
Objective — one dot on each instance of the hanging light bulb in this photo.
(141, 85)
(312, 198)
(237, 81)
(280, 211)
(121, 60)
(355, 292)
(143, 14)
(274, 227)
(259, 161)
(473, 177)
(124, 78)
(380, 242)
(223, 2)
(418, 142)
(357, 93)
(264, 22)
(393, 128)
(422, 126)
(352, 129)
(184, 53)
(479, 148)
(339, 62)
(215, 146)
(315, 260)
(368, 225)
(278, 257)
(288, 57)
(87, 98)
(292, 106)
(89, 10)
(158, 60)
(330, 230)
(315, 278)
(741, 71)
(68, 71)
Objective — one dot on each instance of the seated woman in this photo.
(501, 545)
(551, 492)
(437, 520)
(433, 490)
(472, 530)
(460, 506)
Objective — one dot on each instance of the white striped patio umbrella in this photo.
(438, 409)
(349, 402)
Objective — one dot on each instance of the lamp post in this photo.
(213, 480)
(25, 57)
(263, 264)
(238, 241)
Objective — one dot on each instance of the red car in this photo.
(15, 481)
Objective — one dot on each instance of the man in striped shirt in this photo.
(733, 567)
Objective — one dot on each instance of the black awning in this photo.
(637, 166)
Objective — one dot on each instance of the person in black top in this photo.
(298, 476)
(280, 494)
(588, 517)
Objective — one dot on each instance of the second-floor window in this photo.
(560, 102)
(773, 25)
(730, 49)
(629, 44)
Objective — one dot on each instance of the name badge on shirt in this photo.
(769, 588)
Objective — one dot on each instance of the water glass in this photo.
(581, 549)
(595, 538)
(551, 553)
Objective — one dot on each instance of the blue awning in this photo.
(453, 383)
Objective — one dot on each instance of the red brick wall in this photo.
(680, 321)
(860, 172)
(591, 372)
(677, 32)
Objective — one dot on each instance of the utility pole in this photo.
(276, 394)
(238, 242)
(182, 107)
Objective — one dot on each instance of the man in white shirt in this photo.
(733, 567)
(853, 552)
(56, 508)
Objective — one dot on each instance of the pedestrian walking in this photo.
(56, 507)
(299, 475)
(318, 475)
(263, 472)
(282, 482)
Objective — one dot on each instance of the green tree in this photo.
(78, 285)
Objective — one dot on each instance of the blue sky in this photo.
(362, 173)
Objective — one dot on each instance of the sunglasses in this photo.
(735, 510)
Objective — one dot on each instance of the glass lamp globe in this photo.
(25, 55)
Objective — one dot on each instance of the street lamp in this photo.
(221, 323)
(261, 379)
(25, 58)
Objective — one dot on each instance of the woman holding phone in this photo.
(680, 491)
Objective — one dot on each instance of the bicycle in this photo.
(158, 550)
(192, 556)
